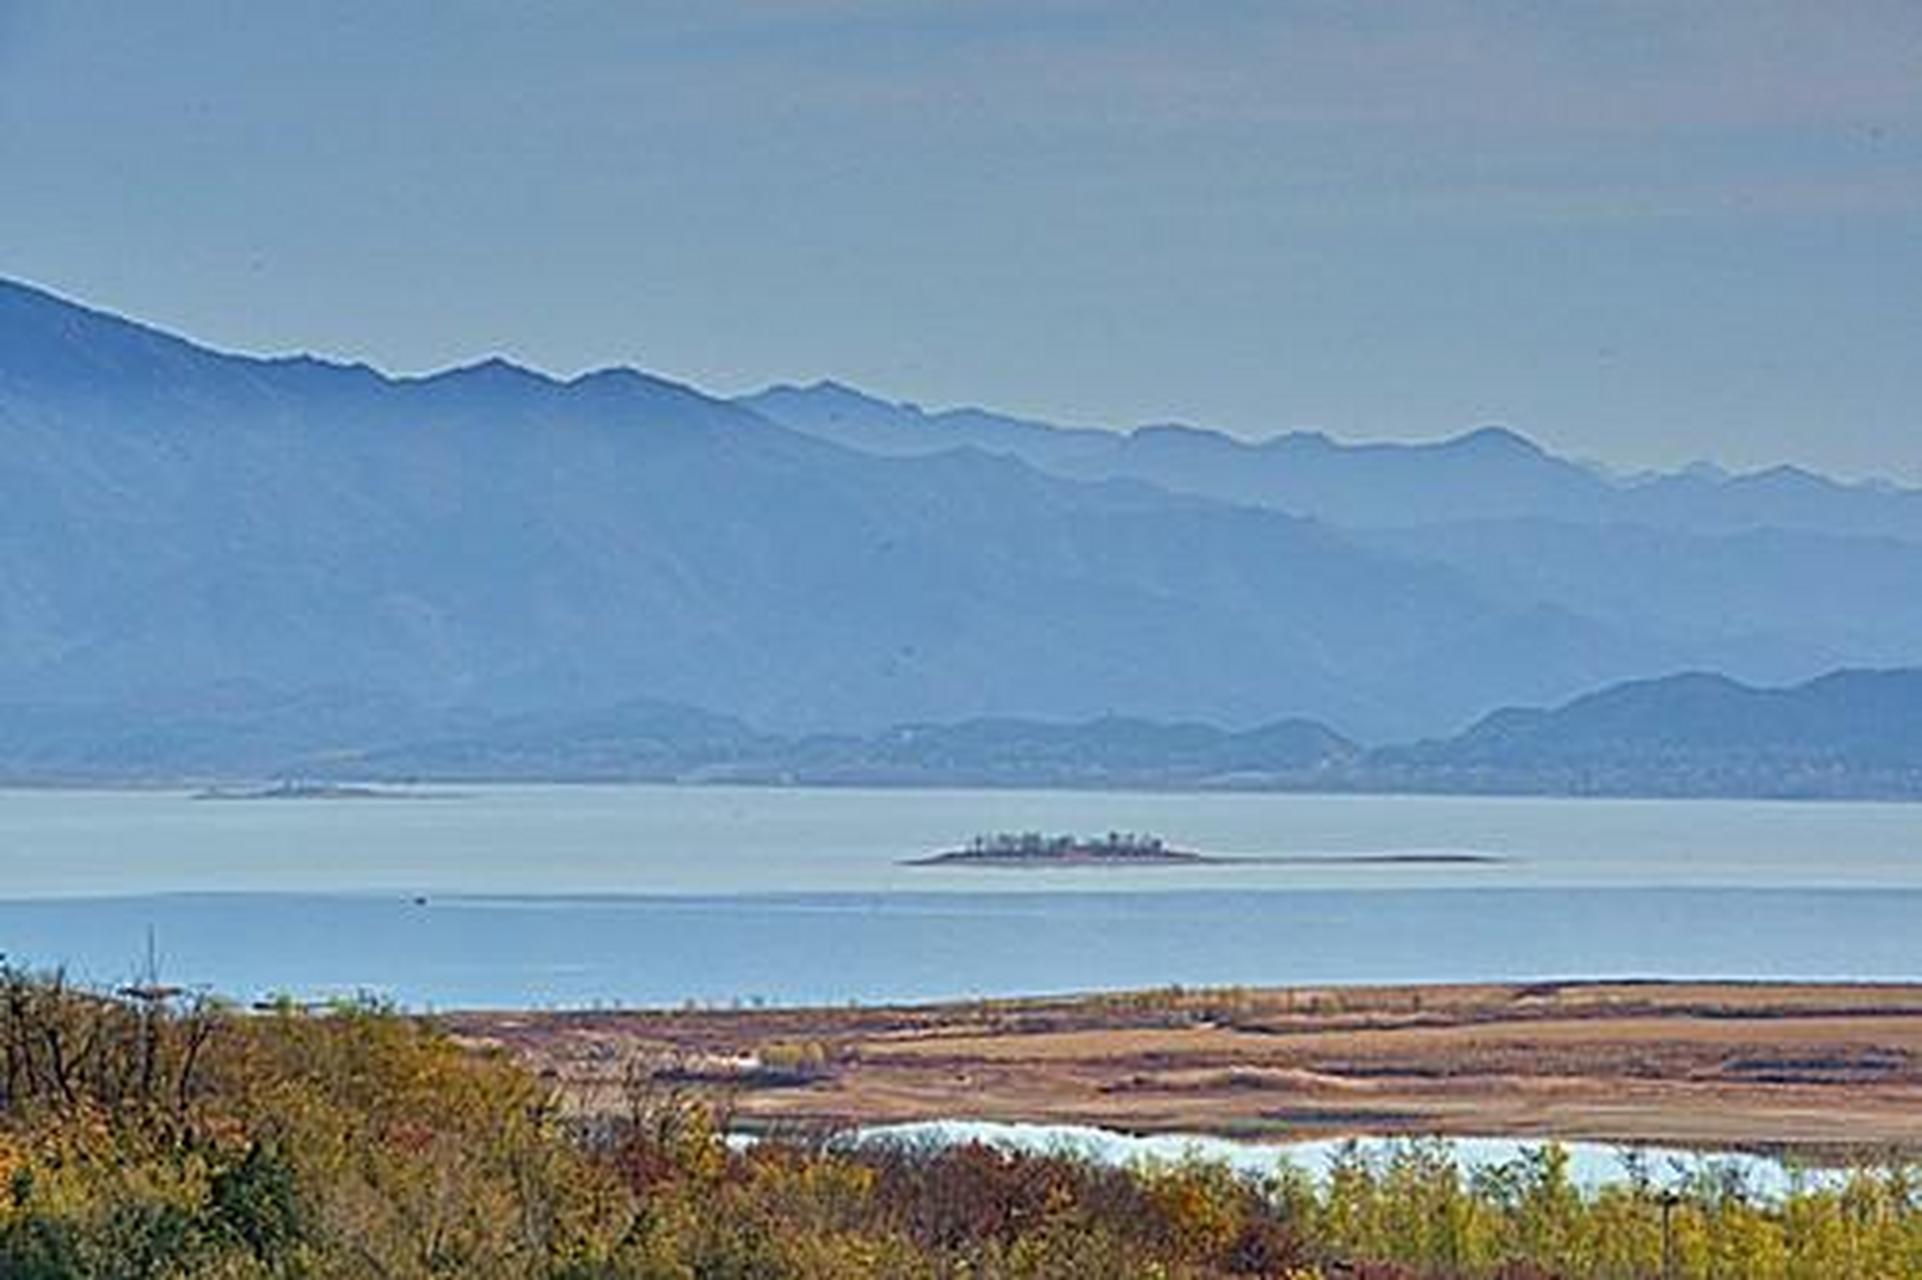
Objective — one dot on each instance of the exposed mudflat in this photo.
(1812, 1068)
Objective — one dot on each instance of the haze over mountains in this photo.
(1490, 473)
(1849, 734)
(222, 563)
(1773, 577)
(1843, 735)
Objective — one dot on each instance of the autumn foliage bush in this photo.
(140, 1137)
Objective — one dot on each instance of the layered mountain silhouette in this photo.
(1773, 576)
(1846, 733)
(1851, 734)
(218, 562)
(655, 742)
(1488, 474)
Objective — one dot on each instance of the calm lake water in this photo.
(581, 895)
(1590, 1164)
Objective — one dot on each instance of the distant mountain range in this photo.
(1773, 576)
(1846, 734)
(1851, 734)
(1488, 474)
(222, 564)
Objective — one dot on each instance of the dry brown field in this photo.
(1828, 1069)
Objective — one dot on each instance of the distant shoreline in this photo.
(322, 791)
(439, 787)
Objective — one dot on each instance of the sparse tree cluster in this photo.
(1034, 844)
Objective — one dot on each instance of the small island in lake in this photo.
(1033, 849)
(1129, 849)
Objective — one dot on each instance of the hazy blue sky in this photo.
(1642, 232)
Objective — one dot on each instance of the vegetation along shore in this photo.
(140, 1135)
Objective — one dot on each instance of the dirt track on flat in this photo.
(1831, 1069)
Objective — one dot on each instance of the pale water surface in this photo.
(1590, 1164)
(574, 895)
